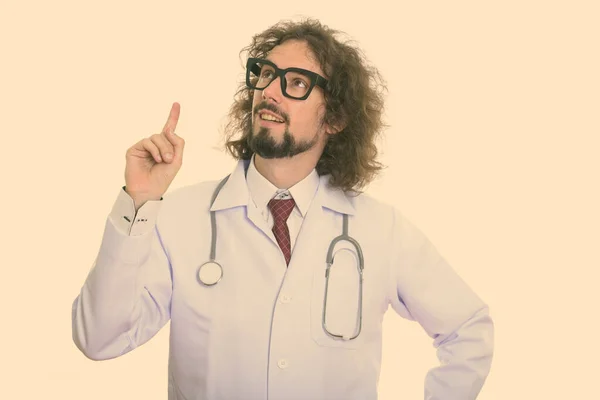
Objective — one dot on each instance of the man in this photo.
(239, 265)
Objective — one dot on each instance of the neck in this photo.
(286, 172)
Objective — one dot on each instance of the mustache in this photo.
(271, 107)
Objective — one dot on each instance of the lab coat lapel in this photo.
(313, 233)
(235, 193)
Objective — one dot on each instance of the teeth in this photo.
(269, 118)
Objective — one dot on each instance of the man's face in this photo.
(302, 126)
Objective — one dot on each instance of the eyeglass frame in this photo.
(316, 79)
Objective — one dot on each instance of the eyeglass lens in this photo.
(296, 83)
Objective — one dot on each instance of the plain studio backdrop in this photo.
(492, 151)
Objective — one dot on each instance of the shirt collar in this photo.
(262, 191)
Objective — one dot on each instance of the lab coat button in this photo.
(285, 298)
(282, 363)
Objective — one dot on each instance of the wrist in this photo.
(140, 198)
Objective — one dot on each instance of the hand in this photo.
(152, 163)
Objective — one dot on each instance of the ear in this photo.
(334, 128)
(335, 125)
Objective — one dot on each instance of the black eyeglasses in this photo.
(296, 83)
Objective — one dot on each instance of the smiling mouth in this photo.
(269, 117)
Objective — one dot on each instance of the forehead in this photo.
(294, 53)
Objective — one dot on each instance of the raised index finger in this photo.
(173, 118)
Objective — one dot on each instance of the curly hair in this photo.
(353, 100)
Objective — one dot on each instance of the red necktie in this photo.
(281, 210)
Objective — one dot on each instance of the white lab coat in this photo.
(258, 333)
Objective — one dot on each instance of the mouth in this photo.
(268, 116)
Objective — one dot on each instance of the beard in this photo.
(264, 144)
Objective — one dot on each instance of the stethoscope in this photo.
(211, 272)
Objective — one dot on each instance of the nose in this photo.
(273, 90)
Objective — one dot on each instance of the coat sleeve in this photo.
(425, 288)
(125, 299)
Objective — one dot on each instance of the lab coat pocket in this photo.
(336, 300)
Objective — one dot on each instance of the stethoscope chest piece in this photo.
(210, 273)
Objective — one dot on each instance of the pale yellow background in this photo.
(492, 151)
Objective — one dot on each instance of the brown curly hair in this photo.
(353, 99)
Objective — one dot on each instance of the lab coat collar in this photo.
(333, 198)
(235, 193)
